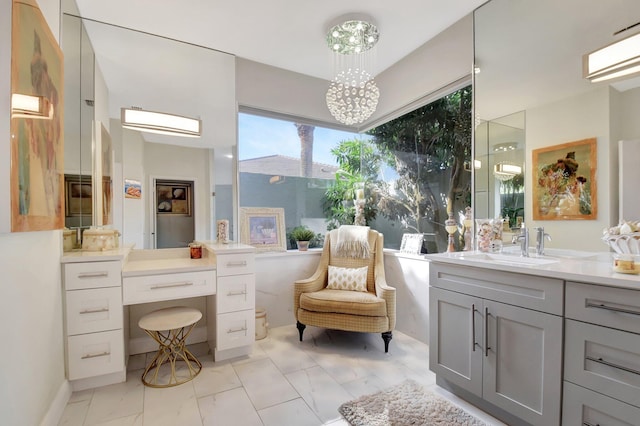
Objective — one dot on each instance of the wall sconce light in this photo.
(274, 180)
(30, 106)
(618, 59)
(161, 123)
(506, 171)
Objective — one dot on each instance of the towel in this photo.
(351, 241)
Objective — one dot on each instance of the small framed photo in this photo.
(263, 228)
(411, 243)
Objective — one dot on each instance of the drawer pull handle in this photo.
(612, 308)
(89, 356)
(590, 424)
(93, 274)
(94, 311)
(236, 330)
(610, 364)
(237, 293)
(169, 285)
(237, 263)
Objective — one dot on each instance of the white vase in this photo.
(303, 245)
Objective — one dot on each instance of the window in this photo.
(412, 169)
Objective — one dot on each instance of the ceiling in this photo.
(286, 34)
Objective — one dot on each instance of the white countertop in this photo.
(165, 261)
(228, 248)
(587, 267)
(76, 256)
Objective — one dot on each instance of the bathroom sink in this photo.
(509, 259)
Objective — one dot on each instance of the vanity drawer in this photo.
(94, 310)
(235, 264)
(155, 288)
(235, 329)
(83, 275)
(604, 360)
(235, 293)
(608, 306)
(529, 291)
(584, 407)
(95, 354)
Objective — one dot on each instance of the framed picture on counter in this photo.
(263, 228)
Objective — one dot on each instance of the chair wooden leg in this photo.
(386, 336)
(301, 328)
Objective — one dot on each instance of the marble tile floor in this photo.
(283, 382)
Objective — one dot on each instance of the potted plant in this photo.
(302, 235)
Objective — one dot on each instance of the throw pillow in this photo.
(354, 279)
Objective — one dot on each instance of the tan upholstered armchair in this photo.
(371, 311)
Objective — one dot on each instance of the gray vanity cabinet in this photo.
(498, 335)
(602, 355)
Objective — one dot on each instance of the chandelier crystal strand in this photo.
(353, 95)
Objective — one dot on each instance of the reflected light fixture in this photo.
(618, 59)
(30, 106)
(506, 171)
(353, 94)
(159, 122)
(504, 147)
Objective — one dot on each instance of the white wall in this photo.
(32, 370)
(580, 117)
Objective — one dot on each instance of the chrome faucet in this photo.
(523, 237)
(540, 237)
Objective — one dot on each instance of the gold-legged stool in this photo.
(170, 328)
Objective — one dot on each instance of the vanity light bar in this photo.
(618, 59)
(30, 106)
(507, 169)
(161, 123)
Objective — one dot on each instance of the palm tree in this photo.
(305, 133)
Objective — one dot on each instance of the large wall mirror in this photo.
(530, 93)
(113, 68)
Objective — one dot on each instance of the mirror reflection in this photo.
(528, 57)
(160, 75)
(499, 169)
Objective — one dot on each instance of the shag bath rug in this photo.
(403, 405)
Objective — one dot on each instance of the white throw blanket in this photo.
(351, 241)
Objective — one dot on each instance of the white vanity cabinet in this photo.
(93, 319)
(602, 355)
(498, 335)
(234, 304)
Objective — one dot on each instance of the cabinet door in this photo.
(522, 368)
(455, 336)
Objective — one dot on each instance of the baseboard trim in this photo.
(56, 408)
(144, 344)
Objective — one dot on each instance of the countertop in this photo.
(76, 256)
(587, 267)
(166, 261)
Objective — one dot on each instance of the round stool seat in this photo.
(170, 328)
(169, 318)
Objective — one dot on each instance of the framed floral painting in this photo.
(564, 181)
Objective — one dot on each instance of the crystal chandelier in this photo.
(353, 95)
